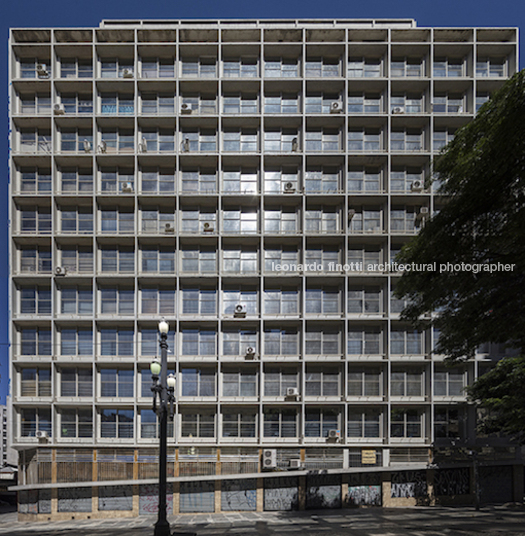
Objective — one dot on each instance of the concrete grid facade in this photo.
(5, 451)
(239, 179)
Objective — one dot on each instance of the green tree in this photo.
(501, 393)
(481, 222)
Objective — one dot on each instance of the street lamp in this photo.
(163, 389)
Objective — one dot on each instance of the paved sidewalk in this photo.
(494, 521)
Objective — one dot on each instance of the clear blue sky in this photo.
(88, 13)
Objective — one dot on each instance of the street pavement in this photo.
(418, 521)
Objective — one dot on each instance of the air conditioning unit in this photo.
(60, 270)
(127, 73)
(269, 459)
(250, 352)
(295, 463)
(41, 69)
(334, 434)
(208, 227)
(127, 188)
(186, 108)
(423, 213)
(295, 145)
(336, 107)
(185, 146)
(417, 186)
(289, 188)
(168, 228)
(102, 147)
(292, 391)
(239, 311)
(87, 146)
(59, 109)
(398, 110)
(41, 434)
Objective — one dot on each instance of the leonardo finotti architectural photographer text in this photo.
(394, 267)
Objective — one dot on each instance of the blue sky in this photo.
(53, 13)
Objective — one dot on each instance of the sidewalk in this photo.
(417, 521)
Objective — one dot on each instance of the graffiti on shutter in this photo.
(149, 499)
(239, 495)
(364, 489)
(115, 498)
(74, 500)
(450, 482)
(407, 484)
(281, 494)
(44, 501)
(197, 497)
(32, 501)
(323, 491)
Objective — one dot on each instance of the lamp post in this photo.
(163, 389)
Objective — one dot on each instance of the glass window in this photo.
(406, 423)
(364, 341)
(116, 383)
(323, 341)
(117, 423)
(281, 67)
(325, 382)
(278, 380)
(76, 423)
(364, 103)
(116, 342)
(364, 381)
(239, 424)
(199, 342)
(35, 382)
(76, 381)
(239, 383)
(364, 423)
(364, 68)
(197, 382)
(280, 423)
(319, 422)
(197, 424)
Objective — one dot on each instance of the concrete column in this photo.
(176, 498)
(260, 495)
(176, 468)
(218, 503)
(386, 481)
(94, 469)
(302, 493)
(345, 481)
(136, 499)
(218, 466)
(53, 466)
(54, 501)
(135, 487)
(94, 500)
(135, 464)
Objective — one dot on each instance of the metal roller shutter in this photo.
(197, 497)
(239, 495)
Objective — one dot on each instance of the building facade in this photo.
(7, 455)
(247, 181)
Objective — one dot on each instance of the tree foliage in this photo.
(502, 394)
(481, 222)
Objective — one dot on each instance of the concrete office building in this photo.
(239, 179)
(7, 455)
